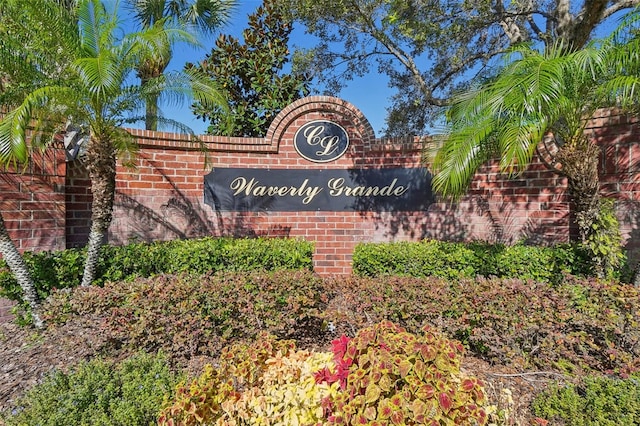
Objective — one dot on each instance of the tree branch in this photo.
(405, 59)
(589, 16)
(563, 18)
(508, 24)
(618, 6)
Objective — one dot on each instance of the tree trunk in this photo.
(19, 269)
(151, 113)
(150, 69)
(580, 165)
(101, 164)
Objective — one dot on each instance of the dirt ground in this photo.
(27, 355)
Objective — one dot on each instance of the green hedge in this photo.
(598, 401)
(63, 269)
(467, 260)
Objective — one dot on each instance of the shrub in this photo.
(383, 375)
(603, 243)
(390, 376)
(63, 269)
(98, 393)
(188, 315)
(267, 382)
(597, 401)
(428, 258)
(201, 256)
(467, 260)
(49, 270)
(576, 325)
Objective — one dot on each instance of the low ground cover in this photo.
(519, 336)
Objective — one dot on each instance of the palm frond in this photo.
(101, 75)
(555, 90)
(41, 111)
(627, 29)
(90, 15)
(13, 144)
(623, 91)
(460, 156)
(517, 144)
(147, 12)
(207, 16)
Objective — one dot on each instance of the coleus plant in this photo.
(390, 376)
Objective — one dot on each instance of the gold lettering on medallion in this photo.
(329, 144)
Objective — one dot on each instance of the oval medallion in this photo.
(321, 141)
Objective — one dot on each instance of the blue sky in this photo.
(370, 94)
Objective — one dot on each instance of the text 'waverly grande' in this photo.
(336, 187)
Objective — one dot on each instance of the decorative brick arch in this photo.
(324, 107)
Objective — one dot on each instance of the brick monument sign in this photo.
(319, 174)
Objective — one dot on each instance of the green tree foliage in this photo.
(193, 16)
(26, 62)
(252, 74)
(542, 101)
(32, 31)
(428, 49)
(91, 88)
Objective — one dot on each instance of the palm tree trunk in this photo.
(586, 206)
(151, 117)
(580, 165)
(101, 164)
(19, 269)
(150, 69)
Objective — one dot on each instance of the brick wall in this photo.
(77, 205)
(618, 135)
(32, 203)
(162, 198)
(48, 208)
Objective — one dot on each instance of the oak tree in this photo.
(428, 49)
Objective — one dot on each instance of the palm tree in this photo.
(97, 95)
(24, 66)
(538, 95)
(196, 16)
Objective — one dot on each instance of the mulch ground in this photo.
(27, 355)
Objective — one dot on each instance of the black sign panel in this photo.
(391, 189)
(321, 141)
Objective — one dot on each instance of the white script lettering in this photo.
(252, 187)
